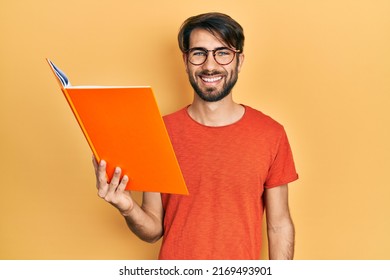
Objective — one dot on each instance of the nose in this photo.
(210, 62)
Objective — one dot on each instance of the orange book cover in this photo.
(123, 126)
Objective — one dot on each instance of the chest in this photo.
(229, 158)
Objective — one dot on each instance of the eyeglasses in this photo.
(223, 55)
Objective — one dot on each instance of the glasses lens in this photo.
(224, 56)
(197, 56)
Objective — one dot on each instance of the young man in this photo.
(235, 160)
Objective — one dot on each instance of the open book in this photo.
(123, 126)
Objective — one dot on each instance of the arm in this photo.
(280, 228)
(145, 221)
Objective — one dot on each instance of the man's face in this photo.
(211, 81)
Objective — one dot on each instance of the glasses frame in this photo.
(213, 52)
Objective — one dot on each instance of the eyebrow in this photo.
(204, 49)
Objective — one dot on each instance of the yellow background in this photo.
(321, 68)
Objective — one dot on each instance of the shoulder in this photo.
(256, 118)
(177, 122)
(175, 115)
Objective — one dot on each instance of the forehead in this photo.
(205, 39)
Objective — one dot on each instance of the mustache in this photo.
(209, 73)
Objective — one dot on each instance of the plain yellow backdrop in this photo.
(321, 68)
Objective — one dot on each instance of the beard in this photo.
(210, 94)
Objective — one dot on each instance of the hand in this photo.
(113, 192)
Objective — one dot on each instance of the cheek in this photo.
(192, 72)
(187, 69)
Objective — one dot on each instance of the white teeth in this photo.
(211, 80)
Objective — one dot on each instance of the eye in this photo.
(198, 53)
(224, 52)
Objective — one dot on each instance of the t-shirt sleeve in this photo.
(282, 170)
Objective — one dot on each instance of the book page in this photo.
(60, 74)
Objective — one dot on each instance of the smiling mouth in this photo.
(211, 79)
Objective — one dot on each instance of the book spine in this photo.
(80, 122)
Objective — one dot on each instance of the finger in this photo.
(115, 180)
(96, 168)
(101, 171)
(95, 163)
(102, 191)
(123, 184)
(101, 178)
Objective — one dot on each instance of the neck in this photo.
(220, 113)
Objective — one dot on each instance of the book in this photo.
(124, 127)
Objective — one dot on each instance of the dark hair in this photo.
(218, 24)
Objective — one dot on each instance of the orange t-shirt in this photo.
(226, 170)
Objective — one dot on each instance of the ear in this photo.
(185, 61)
(241, 58)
